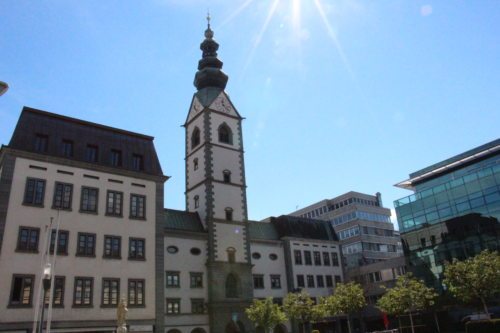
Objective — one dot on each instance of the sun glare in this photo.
(333, 36)
(290, 11)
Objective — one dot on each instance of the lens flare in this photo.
(333, 36)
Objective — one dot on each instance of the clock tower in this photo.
(216, 190)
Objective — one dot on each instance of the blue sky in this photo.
(338, 95)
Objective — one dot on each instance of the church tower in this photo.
(216, 190)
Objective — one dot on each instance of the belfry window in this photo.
(229, 214)
(225, 134)
(231, 254)
(226, 176)
(195, 137)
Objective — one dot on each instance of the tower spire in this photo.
(210, 72)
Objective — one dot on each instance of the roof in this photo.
(453, 163)
(182, 221)
(291, 226)
(206, 96)
(262, 231)
(58, 128)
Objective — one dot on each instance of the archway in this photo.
(174, 330)
(198, 330)
(280, 328)
(231, 327)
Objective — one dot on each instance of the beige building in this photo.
(96, 188)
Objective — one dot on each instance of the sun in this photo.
(294, 10)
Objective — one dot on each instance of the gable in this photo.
(222, 104)
(194, 109)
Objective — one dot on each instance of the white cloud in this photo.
(426, 10)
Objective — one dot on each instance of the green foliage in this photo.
(474, 278)
(408, 295)
(483, 326)
(301, 307)
(348, 298)
(265, 313)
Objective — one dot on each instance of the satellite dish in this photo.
(3, 87)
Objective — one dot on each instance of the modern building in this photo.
(454, 212)
(90, 193)
(362, 224)
(371, 248)
(93, 194)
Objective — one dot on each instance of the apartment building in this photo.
(91, 189)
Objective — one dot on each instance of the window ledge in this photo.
(82, 306)
(109, 306)
(88, 212)
(26, 251)
(15, 306)
(85, 255)
(60, 208)
(137, 218)
(136, 306)
(136, 259)
(114, 215)
(112, 258)
(33, 205)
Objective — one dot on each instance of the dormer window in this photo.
(226, 176)
(225, 134)
(91, 153)
(116, 157)
(229, 214)
(67, 148)
(137, 162)
(41, 143)
(195, 137)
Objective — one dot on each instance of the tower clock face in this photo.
(222, 104)
(197, 105)
(225, 106)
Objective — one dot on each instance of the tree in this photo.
(348, 299)
(407, 296)
(266, 314)
(301, 307)
(474, 278)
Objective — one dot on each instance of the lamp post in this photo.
(47, 276)
(3, 87)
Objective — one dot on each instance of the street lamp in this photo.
(3, 87)
(47, 276)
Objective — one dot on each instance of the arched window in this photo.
(196, 201)
(229, 214)
(231, 254)
(225, 134)
(195, 137)
(231, 286)
(195, 164)
(226, 176)
(198, 330)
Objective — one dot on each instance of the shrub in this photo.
(483, 326)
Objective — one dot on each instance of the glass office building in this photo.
(454, 212)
